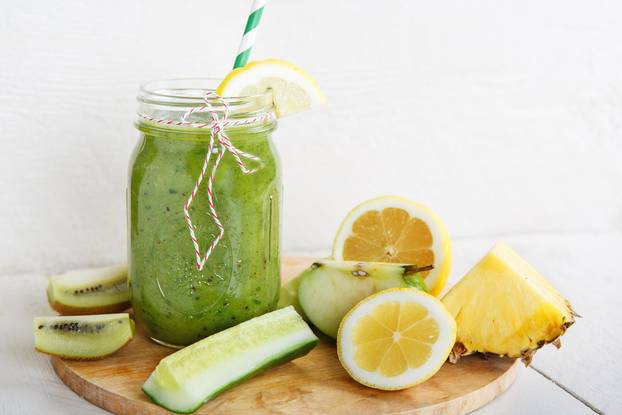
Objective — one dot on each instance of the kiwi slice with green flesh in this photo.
(90, 291)
(83, 337)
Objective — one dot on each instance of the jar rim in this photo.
(192, 91)
(174, 102)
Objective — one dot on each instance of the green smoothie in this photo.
(175, 302)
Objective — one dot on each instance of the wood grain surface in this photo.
(315, 383)
(29, 385)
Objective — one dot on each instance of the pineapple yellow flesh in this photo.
(504, 306)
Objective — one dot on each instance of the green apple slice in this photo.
(289, 295)
(329, 289)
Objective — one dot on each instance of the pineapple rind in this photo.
(504, 306)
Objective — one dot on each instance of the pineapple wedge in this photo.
(503, 306)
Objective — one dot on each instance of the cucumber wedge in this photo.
(186, 379)
(83, 337)
(329, 289)
(90, 291)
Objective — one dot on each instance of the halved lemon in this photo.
(395, 339)
(293, 89)
(395, 229)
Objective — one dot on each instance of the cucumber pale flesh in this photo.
(186, 379)
(90, 291)
(329, 289)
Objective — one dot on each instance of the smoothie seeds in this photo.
(217, 132)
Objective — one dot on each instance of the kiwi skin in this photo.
(66, 310)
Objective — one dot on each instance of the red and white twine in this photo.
(221, 142)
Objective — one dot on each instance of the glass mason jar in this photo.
(176, 302)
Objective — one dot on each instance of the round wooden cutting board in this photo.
(315, 383)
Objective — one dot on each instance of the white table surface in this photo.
(583, 377)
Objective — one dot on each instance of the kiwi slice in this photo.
(83, 337)
(90, 291)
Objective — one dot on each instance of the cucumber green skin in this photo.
(293, 353)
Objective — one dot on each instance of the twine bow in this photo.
(220, 141)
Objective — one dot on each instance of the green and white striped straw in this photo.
(248, 40)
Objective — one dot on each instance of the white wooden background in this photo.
(504, 116)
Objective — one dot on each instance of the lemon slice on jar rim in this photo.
(293, 89)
